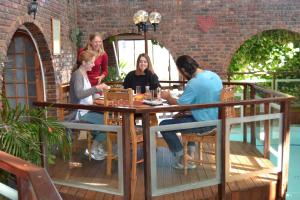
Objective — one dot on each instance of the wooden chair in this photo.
(125, 97)
(209, 137)
(63, 97)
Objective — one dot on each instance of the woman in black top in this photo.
(142, 76)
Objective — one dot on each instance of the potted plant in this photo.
(21, 129)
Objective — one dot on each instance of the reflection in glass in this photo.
(31, 75)
(20, 76)
(21, 90)
(19, 61)
(10, 90)
(19, 45)
(9, 75)
(31, 90)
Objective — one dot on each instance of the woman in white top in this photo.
(81, 92)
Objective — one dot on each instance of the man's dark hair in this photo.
(187, 63)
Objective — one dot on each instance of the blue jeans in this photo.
(172, 139)
(95, 118)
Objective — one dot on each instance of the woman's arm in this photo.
(79, 90)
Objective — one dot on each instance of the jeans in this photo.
(173, 140)
(95, 118)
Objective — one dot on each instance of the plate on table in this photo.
(153, 102)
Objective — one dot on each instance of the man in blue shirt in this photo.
(203, 86)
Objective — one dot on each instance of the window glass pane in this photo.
(126, 54)
(10, 61)
(31, 90)
(22, 101)
(20, 77)
(30, 75)
(30, 102)
(30, 61)
(21, 90)
(19, 45)
(9, 75)
(10, 90)
(19, 61)
(29, 47)
(12, 102)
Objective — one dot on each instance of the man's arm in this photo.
(167, 96)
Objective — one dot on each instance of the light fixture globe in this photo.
(136, 18)
(142, 16)
(155, 18)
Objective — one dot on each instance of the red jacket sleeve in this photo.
(104, 67)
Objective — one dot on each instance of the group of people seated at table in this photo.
(203, 86)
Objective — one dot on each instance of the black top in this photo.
(148, 79)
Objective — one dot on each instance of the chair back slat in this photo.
(116, 97)
(227, 95)
(63, 97)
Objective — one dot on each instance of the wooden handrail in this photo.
(27, 174)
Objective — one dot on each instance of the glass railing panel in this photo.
(165, 178)
(82, 172)
(248, 159)
(8, 186)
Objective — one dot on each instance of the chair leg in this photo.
(109, 156)
(200, 144)
(89, 141)
(133, 168)
(185, 160)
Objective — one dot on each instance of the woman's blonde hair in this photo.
(91, 38)
(150, 68)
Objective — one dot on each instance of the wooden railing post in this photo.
(267, 132)
(283, 174)
(126, 155)
(147, 162)
(252, 113)
(23, 188)
(222, 185)
(244, 125)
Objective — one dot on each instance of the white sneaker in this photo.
(100, 150)
(94, 155)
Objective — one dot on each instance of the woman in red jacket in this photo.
(100, 70)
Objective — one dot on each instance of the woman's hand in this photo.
(99, 78)
(102, 87)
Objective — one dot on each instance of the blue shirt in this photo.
(205, 87)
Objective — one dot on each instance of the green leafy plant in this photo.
(114, 75)
(271, 53)
(21, 129)
(75, 36)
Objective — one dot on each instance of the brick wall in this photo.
(209, 30)
(13, 15)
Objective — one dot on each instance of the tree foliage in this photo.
(273, 52)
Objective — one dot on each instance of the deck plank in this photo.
(243, 157)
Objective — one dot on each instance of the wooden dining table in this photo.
(136, 104)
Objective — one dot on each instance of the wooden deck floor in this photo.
(244, 159)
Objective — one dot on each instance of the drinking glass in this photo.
(138, 89)
(158, 93)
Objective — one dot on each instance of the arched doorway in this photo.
(22, 73)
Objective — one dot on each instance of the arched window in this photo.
(22, 75)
